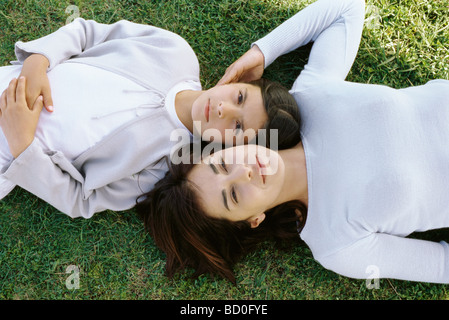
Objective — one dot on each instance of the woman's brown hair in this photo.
(189, 237)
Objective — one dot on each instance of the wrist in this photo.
(37, 60)
(18, 149)
(258, 54)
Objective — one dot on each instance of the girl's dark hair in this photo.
(283, 115)
(172, 215)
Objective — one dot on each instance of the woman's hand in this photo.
(34, 69)
(247, 68)
(17, 120)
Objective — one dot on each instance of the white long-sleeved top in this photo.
(114, 88)
(377, 158)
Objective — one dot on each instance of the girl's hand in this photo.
(34, 69)
(17, 120)
(247, 68)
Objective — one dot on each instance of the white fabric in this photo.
(102, 146)
(377, 158)
(89, 103)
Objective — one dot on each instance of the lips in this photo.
(206, 110)
(261, 168)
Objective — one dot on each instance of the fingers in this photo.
(3, 98)
(15, 95)
(38, 104)
(231, 75)
(2, 102)
(47, 99)
(20, 90)
(249, 67)
(224, 80)
(49, 108)
(11, 91)
(16, 91)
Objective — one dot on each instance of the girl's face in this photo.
(223, 113)
(239, 183)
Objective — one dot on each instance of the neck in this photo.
(295, 183)
(183, 106)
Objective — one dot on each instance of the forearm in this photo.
(335, 27)
(393, 257)
(52, 177)
(49, 177)
(35, 62)
(77, 37)
(34, 69)
(57, 47)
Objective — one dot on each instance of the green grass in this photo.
(407, 46)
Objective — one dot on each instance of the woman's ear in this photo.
(255, 221)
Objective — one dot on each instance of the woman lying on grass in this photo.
(119, 93)
(372, 167)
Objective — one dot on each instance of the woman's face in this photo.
(225, 113)
(239, 183)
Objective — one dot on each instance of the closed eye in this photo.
(223, 165)
(234, 195)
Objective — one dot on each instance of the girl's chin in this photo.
(198, 127)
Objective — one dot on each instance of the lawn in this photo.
(404, 43)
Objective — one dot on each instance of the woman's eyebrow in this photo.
(225, 199)
(215, 170)
(223, 192)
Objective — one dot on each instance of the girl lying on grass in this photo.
(118, 93)
(371, 168)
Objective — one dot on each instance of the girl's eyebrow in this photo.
(245, 96)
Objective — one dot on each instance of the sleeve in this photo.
(386, 256)
(335, 27)
(58, 183)
(77, 37)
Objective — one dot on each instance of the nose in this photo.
(242, 173)
(225, 109)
